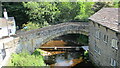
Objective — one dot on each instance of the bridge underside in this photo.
(64, 33)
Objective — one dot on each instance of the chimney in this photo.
(5, 14)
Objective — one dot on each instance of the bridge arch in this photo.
(31, 40)
(60, 34)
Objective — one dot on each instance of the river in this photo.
(64, 56)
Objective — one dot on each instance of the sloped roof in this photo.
(108, 17)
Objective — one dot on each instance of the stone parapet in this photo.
(30, 40)
(7, 47)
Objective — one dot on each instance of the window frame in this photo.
(97, 34)
(10, 31)
(113, 62)
(105, 38)
(114, 43)
(97, 50)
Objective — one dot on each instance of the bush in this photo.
(81, 18)
(26, 59)
(30, 26)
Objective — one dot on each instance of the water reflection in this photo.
(64, 59)
(67, 57)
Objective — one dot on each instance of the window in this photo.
(105, 38)
(113, 62)
(9, 30)
(97, 49)
(98, 33)
(114, 43)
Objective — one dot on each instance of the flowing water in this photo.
(64, 57)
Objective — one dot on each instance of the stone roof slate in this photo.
(108, 17)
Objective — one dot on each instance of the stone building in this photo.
(104, 37)
(0, 9)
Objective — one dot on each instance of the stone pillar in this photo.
(0, 9)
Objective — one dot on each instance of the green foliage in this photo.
(30, 26)
(45, 24)
(116, 5)
(99, 5)
(38, 51)
(45, 13)
(85, 11)
(83, 39)
(17, 10)
(26, 59)
(68, 10)
(86, 53)
(41, 12)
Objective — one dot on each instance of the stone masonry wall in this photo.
(7, 47)
(31, 40)
(0, 9)
(118, 55)
(106, 51)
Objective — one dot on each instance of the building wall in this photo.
(118, 56)
(7, 27)
(104, 51)
(7, 47)
(12, 26)
(0, 9)
(3, 26)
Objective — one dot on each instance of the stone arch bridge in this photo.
(30, 40)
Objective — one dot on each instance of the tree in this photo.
(85, 11)
(68, 10)
(99, 5)
(17, 10)
(40, 12)
(52, 12)
(30, 26)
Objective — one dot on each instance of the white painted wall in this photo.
(5, 27)
(3, 32)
